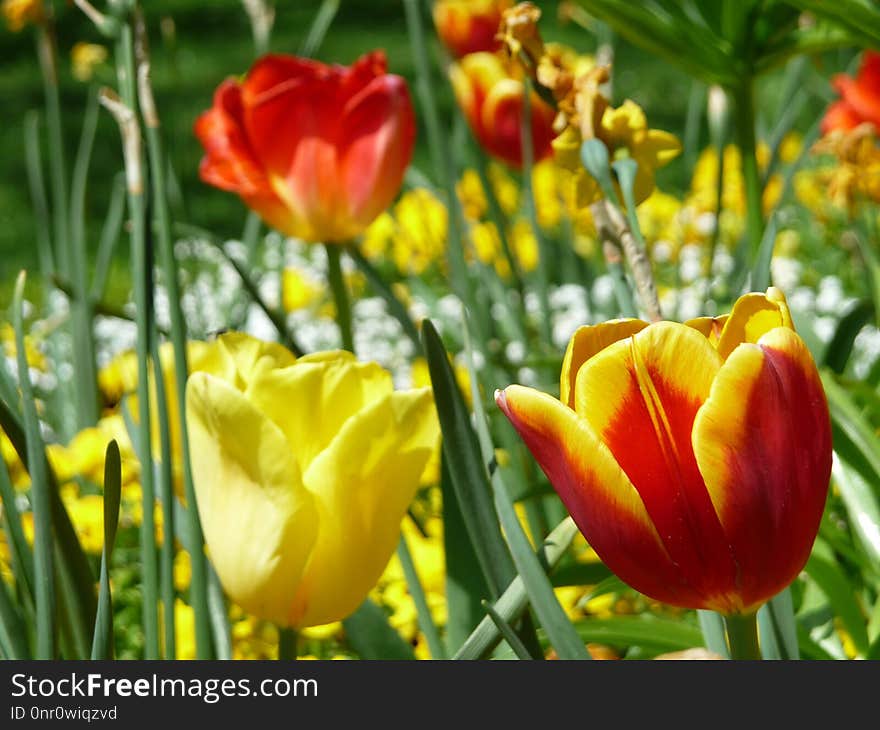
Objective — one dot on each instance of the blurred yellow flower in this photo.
(298, 291)
(472, 195)
(18, 13)
(420, 239)
(413, 235)
(87, 515)
(85, 58)
(33, 355)
(303, 469)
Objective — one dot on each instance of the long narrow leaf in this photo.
(44, 582)
(515, 599)
(466, 469)
(550, 613)
(102, 642)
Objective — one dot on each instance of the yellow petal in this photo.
(753, 315)
(311, 400)
(586, 342)
(709, 327)
(260, 523)
(362, 485)
(236, 357)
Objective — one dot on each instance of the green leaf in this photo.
(840, 348)
(842, 597)
(712, 628)
(514, 600)
(550, 613)
(467, 472)
(761, 273)
(651, 634)
(13, 632)
(778, 627)
(423, 611)
(861, 507)
(102, 641)
(847, 416)
(508, 633)
(44, 576)
(320, 25)
(73, 571)
(20, 550)
(465, 583)
(372, 637)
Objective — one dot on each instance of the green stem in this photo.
(441, 156)
(528, 155)
(85, 369)
(166, 497)
(60, 220)
(395, 307)
(141, 277)
(287, 641)
(199, 582)
(742, 636)
(745, 133)
(340, 295)
(423, 611)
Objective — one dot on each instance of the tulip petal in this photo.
(709, 327)
(640, 397)
(260, 523)
(763, 444)
(366, 479)
(375, 146)
(585, 343)
(312, 400)
(752, 315)
(238, 356)
(863, 93)
(601, 499)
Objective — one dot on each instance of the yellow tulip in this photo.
(303, 470)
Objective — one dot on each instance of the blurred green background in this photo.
(209, 41)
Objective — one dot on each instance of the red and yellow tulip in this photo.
(860, 98)
(469, 26)
(695, 458)
(318, 151)
(491, 95)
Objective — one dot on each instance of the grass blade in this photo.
(44, 584)
(550, 613)
(102, 642)
(712, 627)
(508, 633)
(423, 611)
(514, 600)
(468, 474)
(320, 25)
(778, 628)
(13, 633)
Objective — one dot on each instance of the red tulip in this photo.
(492, 102)
(860, 97)
(469, 26)
(695, 458)
(318, 151)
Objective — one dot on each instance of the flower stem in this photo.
(156, 157)
(287, 641)
(742, 636)
(340, 295)
(745, 133)
(528, 159)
